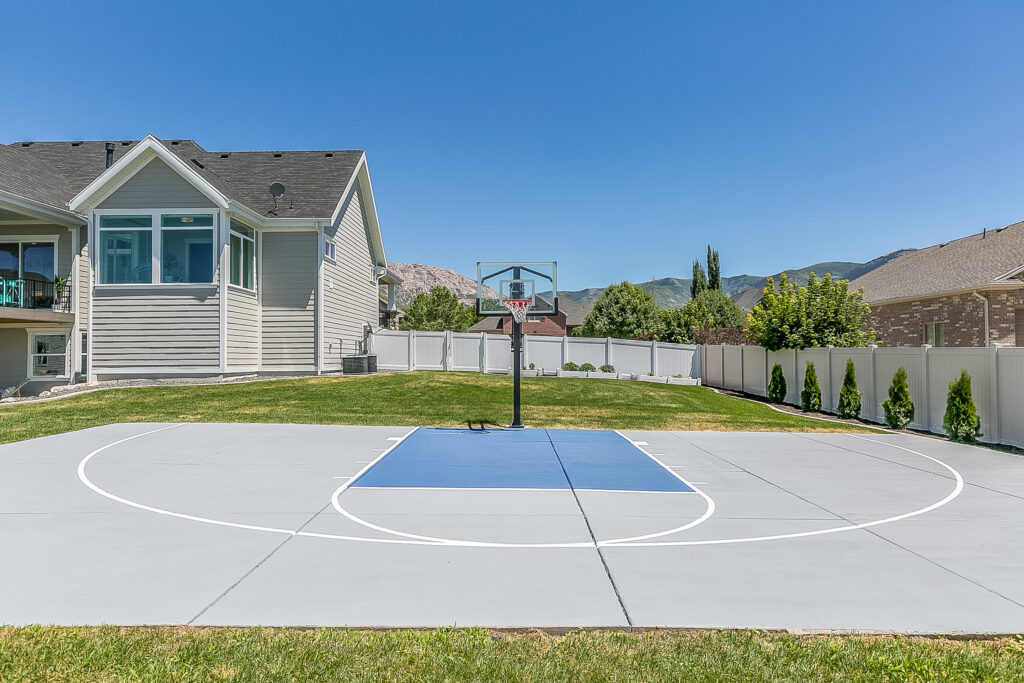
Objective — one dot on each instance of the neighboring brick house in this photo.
(570, 316)
(967, 292)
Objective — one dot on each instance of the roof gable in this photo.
(156, 185)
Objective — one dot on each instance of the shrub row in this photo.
(961, 422)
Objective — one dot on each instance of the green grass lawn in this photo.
(412, 398)
(256, 654)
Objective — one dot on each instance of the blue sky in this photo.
(617, 138)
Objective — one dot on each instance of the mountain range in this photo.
(669, 292)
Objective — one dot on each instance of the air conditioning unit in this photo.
(362, 364)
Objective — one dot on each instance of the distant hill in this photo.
(418, 277)
(675, 292)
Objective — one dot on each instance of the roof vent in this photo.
(224, 156)
(196, 162)
(1000, 229)
(109, 147)
(26, 144)
(328, 154)
(277, 155)
(943, 244)
(126, 143)
(174, 142)
(76, 144)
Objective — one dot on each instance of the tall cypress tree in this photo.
(699, 283)
(714, 270)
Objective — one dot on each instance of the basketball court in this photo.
(240, 524)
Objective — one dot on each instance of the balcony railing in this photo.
(38, 294)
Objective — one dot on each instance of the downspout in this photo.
(979, 296)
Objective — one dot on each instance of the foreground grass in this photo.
(413, 399)
(190, 654)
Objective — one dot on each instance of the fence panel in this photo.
(1010, 374)
(430, 350)
(944, 366)
(631, 356)
(732, 367)
(544, 352)
(392, 349)
(678, 359)
(465, 351)
(820, 359)
(887, 362)
(499, 353)
(787, 360)
(713, 369)
(754, 371)
(585, 350)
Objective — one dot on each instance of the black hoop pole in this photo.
(517, 352)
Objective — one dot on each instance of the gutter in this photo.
(979, 296)
(991, 286)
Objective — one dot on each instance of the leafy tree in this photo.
(961, 422)
(810, 397)
(436, 311)
(777, 386)
(673, 327)
(709, 310)
(733, 335)
(824, 313)
(899, 409)
(625, 311)
(699, 281)
(714, 270)
(849, 397)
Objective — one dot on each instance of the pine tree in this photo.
(810, 397)
(961, 422)
(899, 409)
(699, 283)
(849, 397)
(777, 386)
(714, 270)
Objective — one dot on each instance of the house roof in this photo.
(983, 260)
(314, 180)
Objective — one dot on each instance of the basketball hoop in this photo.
(518, 308)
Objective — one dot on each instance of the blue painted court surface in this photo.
(519, 459)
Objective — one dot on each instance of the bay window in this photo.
(182, 252)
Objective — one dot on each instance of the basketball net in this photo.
(518, 308)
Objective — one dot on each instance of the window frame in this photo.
(33, 332)
(330, 250)
(232, 233)
(156, 245)
(933, 324)
(21, 240)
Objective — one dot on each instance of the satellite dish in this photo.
(276, 190)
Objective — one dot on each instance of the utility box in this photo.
(363, 364)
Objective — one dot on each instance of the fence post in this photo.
(873, 415)
(525, 360)
(927, 420)
(483, 352)
(654, 357)
(608, 351)
(831, 406)
(565, 351)
(994, 391)
(446, 363)
(412, 349)
(743, 376)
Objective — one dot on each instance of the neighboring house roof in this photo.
(748, 298)
(313, 180)
(989, 259)
(574, 313)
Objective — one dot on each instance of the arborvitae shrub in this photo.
(961, 422)
(810, 397)
(607, 368)
(777, 385)
(899, 409)
(571, 367)
(587, 367)
(849, 397)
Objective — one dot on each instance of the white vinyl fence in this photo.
(997, 380)
(482, 352)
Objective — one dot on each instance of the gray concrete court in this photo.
(235, 525)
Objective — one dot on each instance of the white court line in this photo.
(206, 520)
(957, 489)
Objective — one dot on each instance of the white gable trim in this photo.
(111, 179)
(1012, 274)
(38, 210)
(361, 175)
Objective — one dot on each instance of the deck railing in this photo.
(37, 294)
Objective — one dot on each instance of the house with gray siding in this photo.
(158, 258)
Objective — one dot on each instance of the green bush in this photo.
(588, 367)
(849, 397)
(810, 397)
(777, 386)
(899, 409)
(607, 368)
(571, 367)
(961, 421)
(532, 366)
